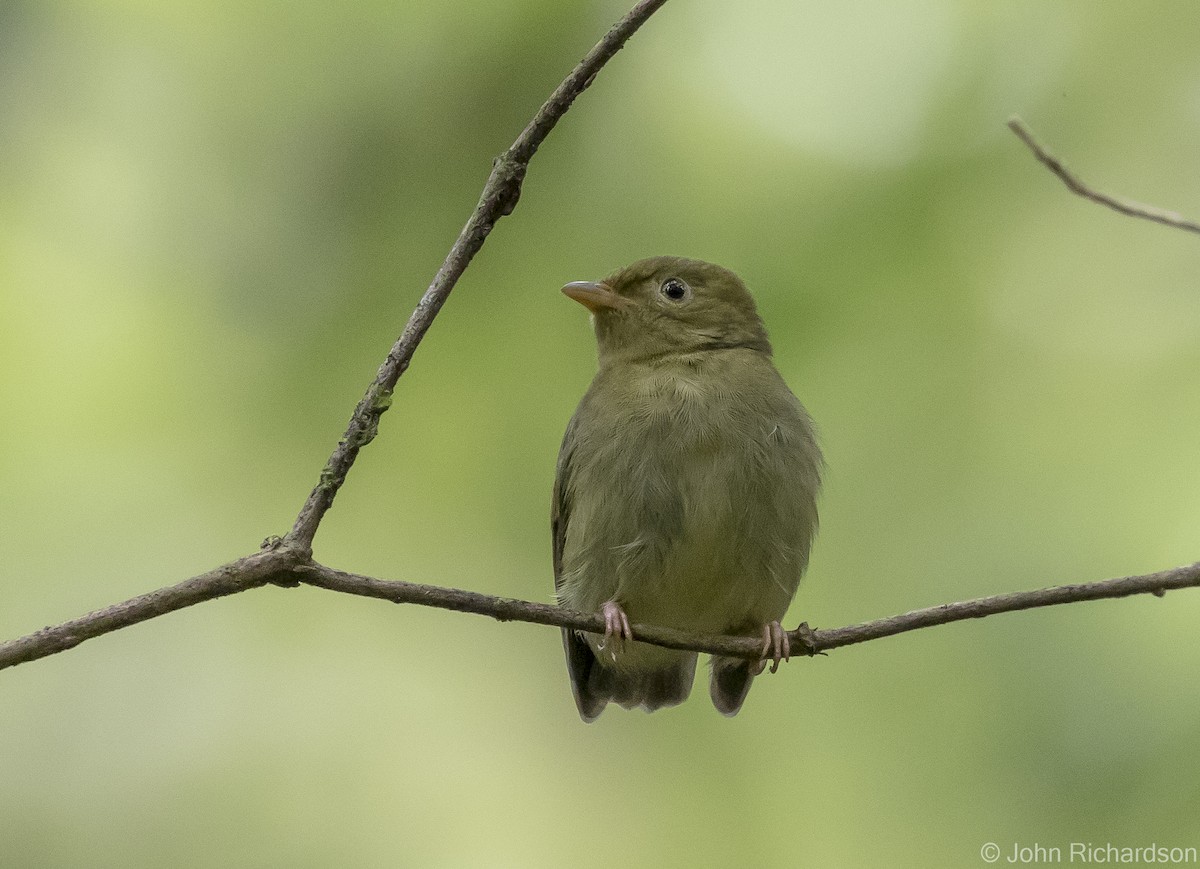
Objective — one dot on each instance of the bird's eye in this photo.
(674, 289)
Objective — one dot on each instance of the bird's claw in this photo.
(616, 626)
(776, 647)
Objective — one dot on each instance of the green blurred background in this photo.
(217, 217)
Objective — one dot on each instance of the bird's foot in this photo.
(776, 647)
(616, 627)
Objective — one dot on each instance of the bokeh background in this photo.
(216, 218)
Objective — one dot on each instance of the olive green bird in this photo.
(686, 487)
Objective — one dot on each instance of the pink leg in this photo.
(616, 625)
(776, 646)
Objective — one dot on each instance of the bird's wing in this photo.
(560, 504)
(580, 660)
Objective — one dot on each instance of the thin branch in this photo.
(1075, 185)
(1157, 584)
(282, 566)
(499, 198)
(812, 642)
(241, 575)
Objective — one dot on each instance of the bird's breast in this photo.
(696, 499)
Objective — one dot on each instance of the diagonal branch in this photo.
(499, 198)
(282, 566)
(269, 565)
(1075, 185)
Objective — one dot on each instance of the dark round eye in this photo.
(674, 289)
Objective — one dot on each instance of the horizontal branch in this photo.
(286, 567)
(246, 573)
(804, 638)
(1077, 186)
(1157, 584)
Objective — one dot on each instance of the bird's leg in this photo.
(616, 625)
(776, 647)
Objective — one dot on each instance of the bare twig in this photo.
(1075, 185)
(812, 641)
(245, 573)
(282, 567)
(499, 198)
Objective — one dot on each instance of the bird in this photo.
(686, 487)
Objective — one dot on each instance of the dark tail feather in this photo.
(581, 663)
(594, 685)
(730, 683)
(668, 687)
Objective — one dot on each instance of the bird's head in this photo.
(670, 305)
